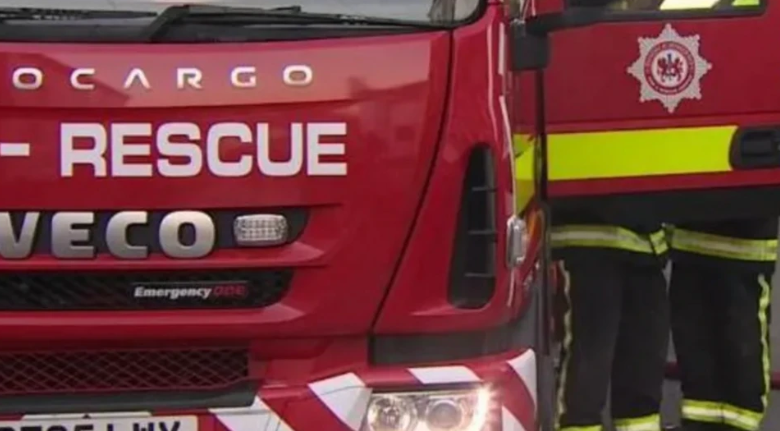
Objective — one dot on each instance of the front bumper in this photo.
(336, 403)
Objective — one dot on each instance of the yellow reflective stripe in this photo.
(759, 250)
(638, 153)
(742, 3)
(714, 412)
(628, 153)
(583, 428)
(646, 423)
(659, 241)
(607, 236)
(741, 418)
(566, 346)
(521, 143)
(687, 4)
(702, 411)
(525, 186)
(763, 315)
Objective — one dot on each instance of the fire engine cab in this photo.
(330, 215)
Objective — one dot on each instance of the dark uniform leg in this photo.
(744, 352)
(592, 289)
(693, 317)
(640, 354)
(729, 264)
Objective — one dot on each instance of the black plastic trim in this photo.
(473, 263)
(755, 148)
(189, 33)
(231, 288)
(452, 346)
(529, 51)
(240, 395)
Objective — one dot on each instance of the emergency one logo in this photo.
(669, 68)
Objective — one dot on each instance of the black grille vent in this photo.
(472, 272)
(121, 371)
(114, 290)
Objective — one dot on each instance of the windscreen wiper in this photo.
(294, 15)
(48, 14)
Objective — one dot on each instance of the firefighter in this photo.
(719, 295)
(614, 321)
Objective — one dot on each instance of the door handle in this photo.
(756, 148)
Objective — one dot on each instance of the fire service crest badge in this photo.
(669, 68)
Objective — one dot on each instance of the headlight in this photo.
(453, 410)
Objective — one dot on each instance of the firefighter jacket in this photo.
(580, 233)
(749, 244)
(744, 244)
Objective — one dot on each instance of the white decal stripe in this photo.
(525, 367)
(257, 417)
(509, 422)
(346, 396)
(490, 89)
(502, 51)
(451, 374)
(14, 149)
(510, 151)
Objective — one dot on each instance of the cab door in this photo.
(666, 108)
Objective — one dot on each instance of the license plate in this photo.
(172, 423)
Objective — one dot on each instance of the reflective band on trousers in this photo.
(608, 237)
(741, 418)
(582, 428)
(763, 321)
(702, 411)
(756, 250)
(645, 423)
(714, 412)
(566, 348)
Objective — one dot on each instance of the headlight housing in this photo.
(441, 410)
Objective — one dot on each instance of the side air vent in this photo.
(473, 265)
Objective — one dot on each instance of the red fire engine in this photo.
(228, 218)
(329, 215)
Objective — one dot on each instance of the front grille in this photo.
(113, 290)
(121, 371)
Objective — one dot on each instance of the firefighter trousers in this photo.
(720, 312)
(615, 330)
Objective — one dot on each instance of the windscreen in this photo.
(412, 10)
